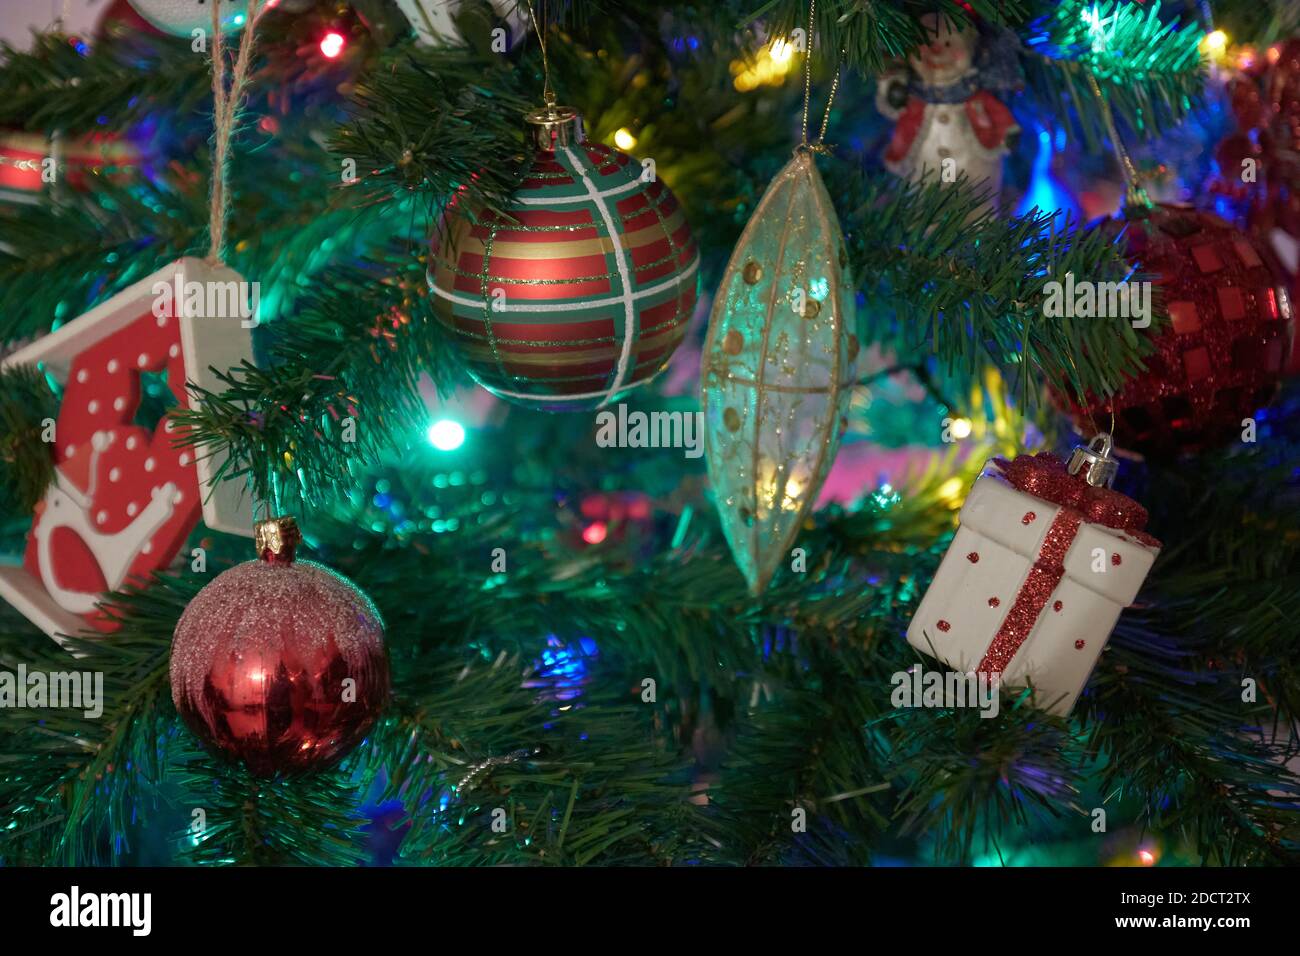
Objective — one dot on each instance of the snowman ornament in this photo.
(948, 122)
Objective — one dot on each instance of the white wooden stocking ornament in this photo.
(124, 501)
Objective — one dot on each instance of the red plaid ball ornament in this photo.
(583, 290)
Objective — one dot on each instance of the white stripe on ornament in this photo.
(569, 306)
(563, 200)
(624, 273)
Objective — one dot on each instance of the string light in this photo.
(331, 45)
(769, 67)
(1215, 44)
(446, 434)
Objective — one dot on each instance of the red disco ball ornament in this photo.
(1220, 358)
(584, 288)
(280, 663)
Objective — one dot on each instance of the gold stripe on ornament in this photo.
(520, 227)
(546, 360)
(487, 302)
(448, 320)
(539, 176)
(504, 280)
(551, 359)
(660, 200)
(599, 244)
(532, 367)
(570, 249)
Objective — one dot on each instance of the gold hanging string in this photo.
(1134, 193)
(819, 145)
(548, 95)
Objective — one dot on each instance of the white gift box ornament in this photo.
(1045, 559)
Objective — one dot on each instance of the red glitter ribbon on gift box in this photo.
(1045, 476)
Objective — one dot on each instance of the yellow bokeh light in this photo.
(624, 139)
(1215, 43)
(769, 67)
(950, 490)
(961, 428)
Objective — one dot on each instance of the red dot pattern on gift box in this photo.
(944, 626)
(102, 396)
(973, 557)
(1079, 645)
(1028, 518)
(1057, 607)
(994, 602)
(1116, 560)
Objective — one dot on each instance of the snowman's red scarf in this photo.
(988, 117)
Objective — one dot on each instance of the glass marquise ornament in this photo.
(777, 369)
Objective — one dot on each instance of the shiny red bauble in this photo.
(580, 289)
(1220, 358)
(280, 663)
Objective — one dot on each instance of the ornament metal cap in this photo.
(276, 539)
(553, 127)
(1098, 467)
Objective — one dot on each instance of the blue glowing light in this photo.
(561, 670)
(1045, 192)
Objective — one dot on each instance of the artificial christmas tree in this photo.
(572, 669)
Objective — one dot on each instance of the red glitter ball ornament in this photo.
(1220, 358)
(280, 663)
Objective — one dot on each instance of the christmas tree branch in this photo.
(72, 775)
(867, 36)
(945, 276)
(1150, 71)
(59, 86)
(26, 465)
